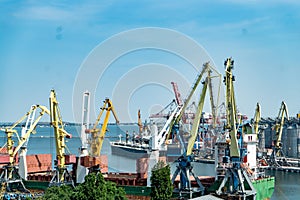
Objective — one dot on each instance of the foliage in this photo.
(94, 187)
(57, 193)
(161, 184)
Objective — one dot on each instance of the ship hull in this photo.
(264, 188)
(129, 150)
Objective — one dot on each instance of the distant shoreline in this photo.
(65, 123)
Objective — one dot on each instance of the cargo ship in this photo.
(130, 150)
(139, 146)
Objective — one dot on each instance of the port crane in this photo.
(256, 127)
(207, 69)
(82, 171)
(256, 119)
(97, 135)
(235, 175)
(23, 150)
(277, 153)
(161, 113)
(61, 175)
(185, 167)
(177, 93)
(92, 139)
(172, 124)
(10, 175)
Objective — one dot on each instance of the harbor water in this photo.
(287, 184)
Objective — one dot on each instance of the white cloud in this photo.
(43, 13)
(60, 11)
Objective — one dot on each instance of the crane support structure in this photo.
(206, 70)
(59, 131)
(235, 176)
(82, 171)
(11, 175)
(174, 124)
(85, 122)
(283, 112)
(177, 94)
(97, 135)
(185, 167)
(213, 105)
(62, 175)
(21, 140)
(196, 122)
(257, 117)
(232, 120)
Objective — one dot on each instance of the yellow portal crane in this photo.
(10, 174)
(232, 119)
(97, 135)
(213, 102)
(283, 112)
(61, 176)
(236, 177)
(257, 117)
(196, 122)
(174, 124)
(184, 167)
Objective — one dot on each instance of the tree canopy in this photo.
(161, 184)
(94, 187)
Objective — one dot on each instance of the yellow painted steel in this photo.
(257, 117)
(10, 131)
(196, 122)
(283, 111)
(231, 109)
(97, 135)
(59, 131)
(190, 94)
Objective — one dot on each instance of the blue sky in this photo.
(44, 45)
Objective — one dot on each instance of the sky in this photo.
(130, 51)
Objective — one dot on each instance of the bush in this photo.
(161, 184)
(94, 187)
(58, 192)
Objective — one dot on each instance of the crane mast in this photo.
(184, 167)
(82, 171)
(97, 135)
(11, 174)
(257, 117)
(62, 175)
(232, 120)
(213, 105)
(283, 112)
(235, 176)
(177, 93)
(196, 122)
(85, 122)
(174, 124)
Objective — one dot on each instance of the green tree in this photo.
(58, 192)
(161, 184)
(95, 187)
